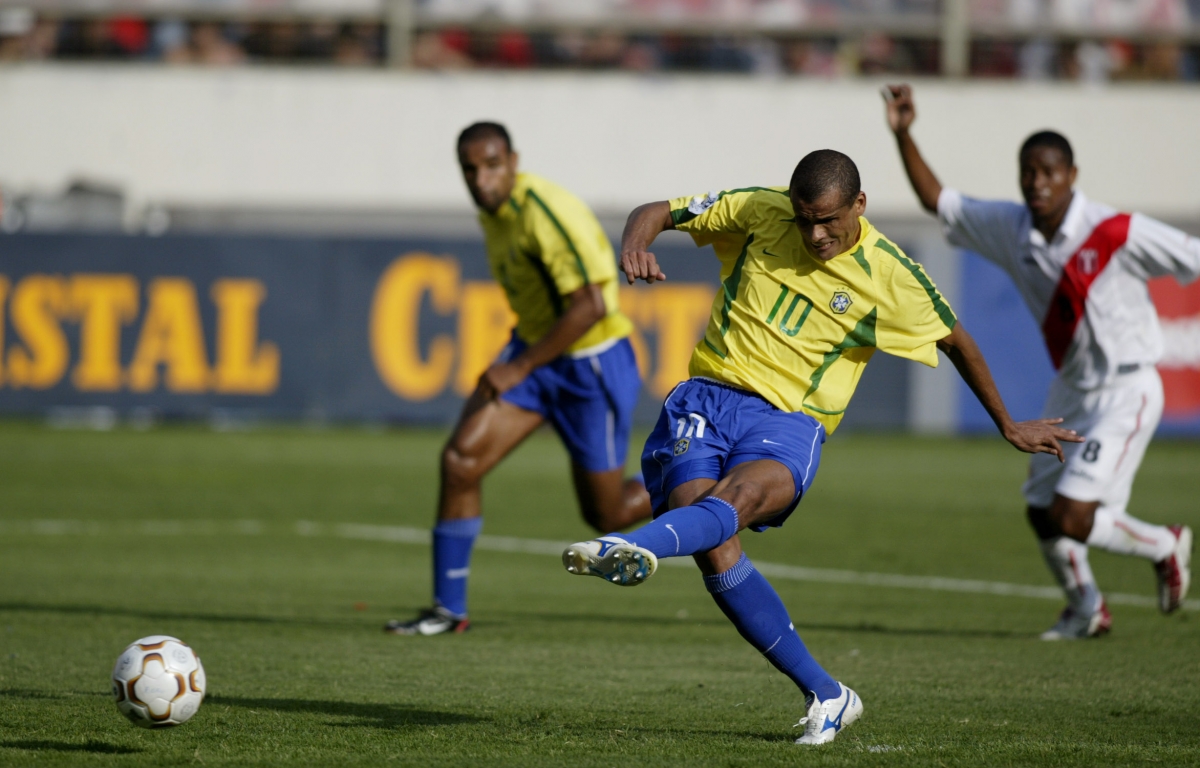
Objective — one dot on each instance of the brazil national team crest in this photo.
(840, 302)
(681, 446)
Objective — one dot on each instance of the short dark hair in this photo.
(1052, 140)
(484, 130)
(825, 171)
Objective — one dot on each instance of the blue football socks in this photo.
(452, 544)
(754, 607)
(705, 525)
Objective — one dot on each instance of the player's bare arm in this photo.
(901, 112)
(1037, 436)
(585, 309)
(644, 224)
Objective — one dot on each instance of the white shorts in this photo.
(1118, 422)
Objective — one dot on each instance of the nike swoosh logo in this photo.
(768, 253)
(772, 442)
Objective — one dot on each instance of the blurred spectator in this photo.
(1157, 61)
(210, 46)
(766, 56)
(131, 35)
(206, 43)
(317, 41)
(90, 39)
(879, 55)
(16, 26)
(642, 55)
(276, 42)
(1092, 63)
(813, 58)
(440, 50)
(725, 54)
(169, 41)
(602, 50)
(358, 45)
(994, 58)
(514, 49)
(1037, 60)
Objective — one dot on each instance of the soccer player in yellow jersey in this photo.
(569, 363)
(809, 291)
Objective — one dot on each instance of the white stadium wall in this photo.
(344, 140)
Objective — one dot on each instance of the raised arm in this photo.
(644, 224)
(1037, 436)
(901, 112)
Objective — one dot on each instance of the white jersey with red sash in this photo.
(1087, 286)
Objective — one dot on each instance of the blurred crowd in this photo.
(174, 41)
(447, 43)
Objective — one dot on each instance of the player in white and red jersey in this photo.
(1082, 268)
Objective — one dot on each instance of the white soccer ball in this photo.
(158, 682)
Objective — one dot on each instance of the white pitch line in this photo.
(398, 534)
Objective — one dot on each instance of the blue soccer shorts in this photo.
(707, 428)
(587, 398)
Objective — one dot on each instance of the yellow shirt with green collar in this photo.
(543, 245)
(793, 328)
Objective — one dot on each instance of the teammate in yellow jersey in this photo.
(809, 291)
(569, 363)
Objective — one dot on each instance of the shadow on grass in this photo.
(42, 745)
(523, 618)
(108, 610)
(30, 693)
(366, 715)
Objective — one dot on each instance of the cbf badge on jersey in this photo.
(681, 446)
(840, 302)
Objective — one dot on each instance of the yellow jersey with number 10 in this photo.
(793, 328)
(543, 245)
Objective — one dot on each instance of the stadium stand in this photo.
(1088, 40)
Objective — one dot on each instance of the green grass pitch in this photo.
(557, 670)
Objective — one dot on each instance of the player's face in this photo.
(490, 170)
(1046, 181)
(829, 226)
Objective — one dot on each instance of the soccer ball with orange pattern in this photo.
(158, 682)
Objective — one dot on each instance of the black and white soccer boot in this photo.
(431, 621)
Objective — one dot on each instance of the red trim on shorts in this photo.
(1136, 428)
(1068, 304)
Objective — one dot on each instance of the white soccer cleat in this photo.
(1073, 625)
(1175, 571)
(826, 719)
(612, 559)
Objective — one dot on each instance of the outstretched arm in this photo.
(901, 112)
(1037, 436)
(644, 224)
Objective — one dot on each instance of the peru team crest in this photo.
(840, 302)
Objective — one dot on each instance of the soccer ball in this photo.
(158, 682)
